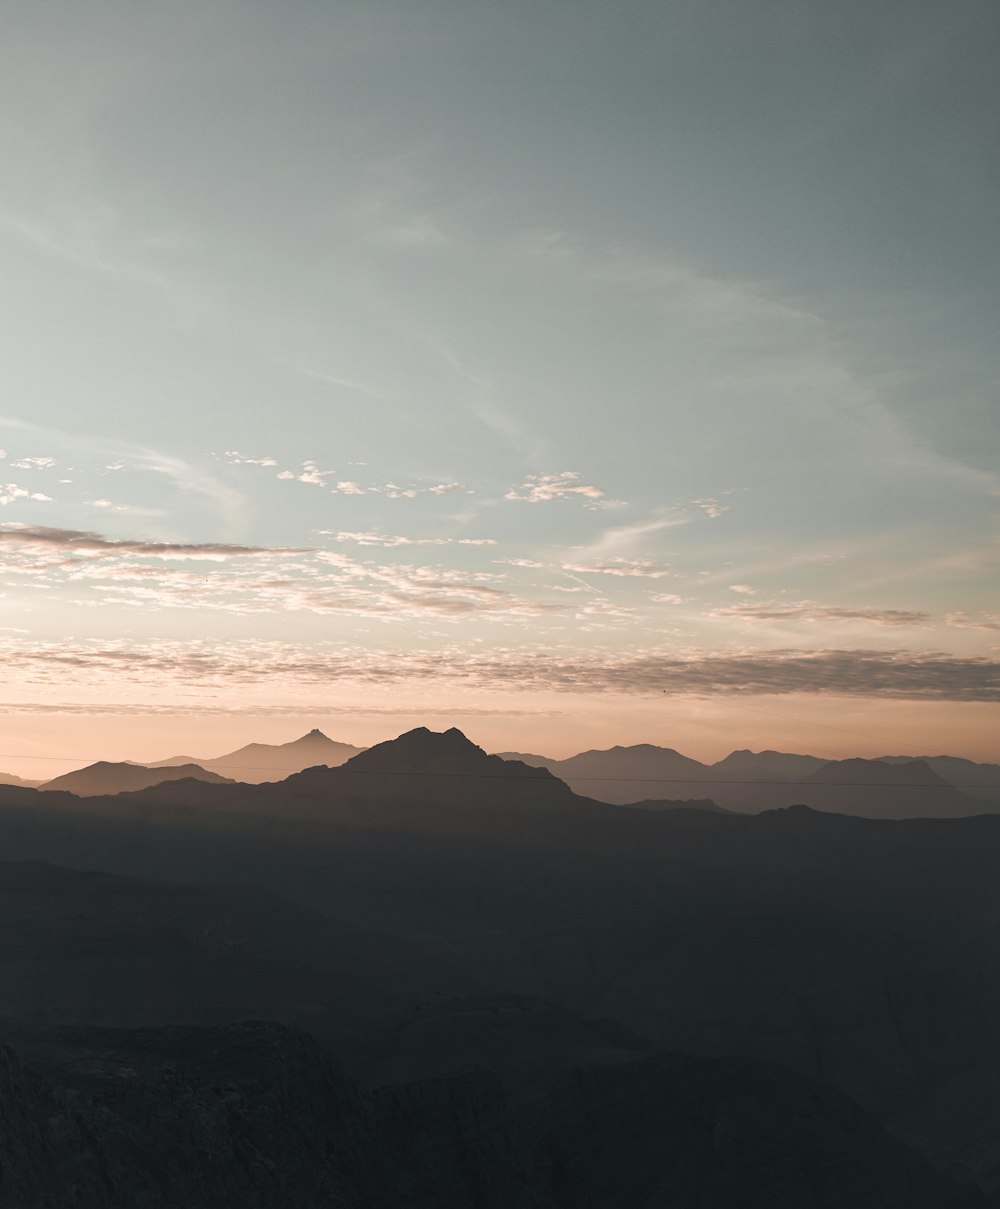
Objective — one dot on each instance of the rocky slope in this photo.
(255, 1115)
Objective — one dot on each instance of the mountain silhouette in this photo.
(875, 789)
(747, 781)
(976, 780)
(766, 765)
(259, 762)
(858, 953)
(8, 778)
(105, 777)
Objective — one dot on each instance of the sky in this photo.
(575, 374)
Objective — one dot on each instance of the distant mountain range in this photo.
(644, 776)
(107, 778)
(254, 764)
(8, 778)
(259, 762)
(543, 999)
(746, 781)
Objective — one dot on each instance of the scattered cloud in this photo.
(666, 598)
(393, 491)
(34, 463)
(252, 579)
(9, 492)
(743, 589)
(310, 473)
(541, 488)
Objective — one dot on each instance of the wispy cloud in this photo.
(80, 543)
(235, 458)
(812, 613)
(390, 540)
(711, 507)
(618, 540)
(989, 622)
(225, 502)
(622, 567)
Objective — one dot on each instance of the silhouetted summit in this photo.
(259, 762)
(439, 752)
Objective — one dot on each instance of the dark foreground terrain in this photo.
(434, 978)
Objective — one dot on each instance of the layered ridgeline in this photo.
(889, 787)
(654, 778)
(106, 777)
(447, 912)
(253, 764)
(259, 762)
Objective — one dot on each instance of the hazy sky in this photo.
(575, 373)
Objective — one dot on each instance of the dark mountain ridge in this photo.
(862, 953)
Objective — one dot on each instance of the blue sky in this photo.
(577, 374)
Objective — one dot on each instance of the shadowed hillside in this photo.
(860, 953)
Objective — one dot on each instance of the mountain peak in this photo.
(421, 749)
(446, 753)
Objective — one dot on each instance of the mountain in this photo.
(8, 778)
(858, 955)
(750, 782)
(257, 1115)
(766, 765)
(260, 762)
(100, 949)
(422, 752)
(683, 804)
(627, 774)
(105, 777)
(875, 789)
(977, 780)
